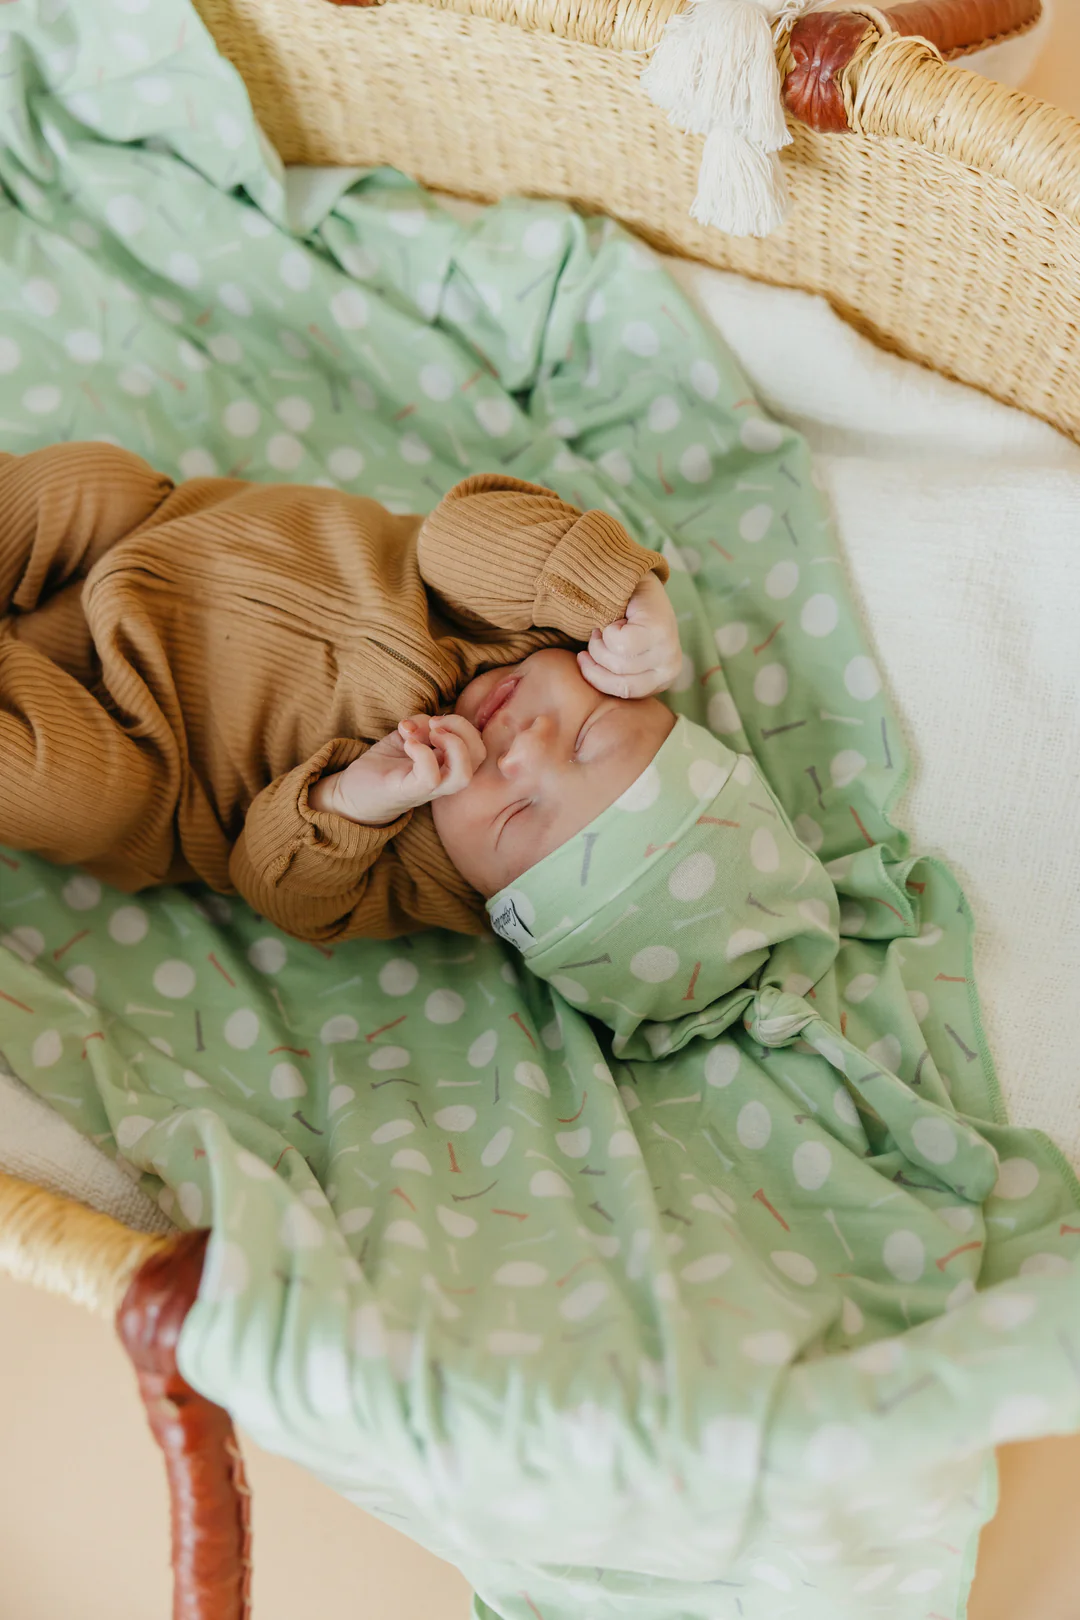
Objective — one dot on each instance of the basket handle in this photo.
(209, 1496)
(824, 43)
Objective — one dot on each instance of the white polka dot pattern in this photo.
(462, 1179)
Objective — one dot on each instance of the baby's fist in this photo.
(445, 750)
(639, 654)
(427, 757)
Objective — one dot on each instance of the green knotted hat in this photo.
(692, 886)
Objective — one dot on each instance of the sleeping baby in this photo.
(362, 723)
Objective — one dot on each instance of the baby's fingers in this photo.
(641, 684)
(617, 662)
(457, 765)
(458, 726)
(415, 729)
(424, 775)
(626, 638)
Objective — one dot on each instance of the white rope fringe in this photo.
(714, 72)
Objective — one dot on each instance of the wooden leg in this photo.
(210, 1499)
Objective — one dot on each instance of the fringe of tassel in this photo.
(714, 73)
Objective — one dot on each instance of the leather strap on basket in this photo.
(209, 1496)
(824, 43)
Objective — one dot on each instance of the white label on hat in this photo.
(509, 924)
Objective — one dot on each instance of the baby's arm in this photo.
(500, 554)
(317, 855)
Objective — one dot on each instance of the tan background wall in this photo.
(83, 1510)
(1057, 74)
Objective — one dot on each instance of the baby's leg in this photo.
(61, 509)
(74, 785)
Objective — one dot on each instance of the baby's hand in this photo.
(427, 757)
(639, 654)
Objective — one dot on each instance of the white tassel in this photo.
(741, 188)
(715, 74)
(716, 64)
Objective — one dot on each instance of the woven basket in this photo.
(938, 212)
(944, 224)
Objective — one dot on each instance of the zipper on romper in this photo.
(401, 659)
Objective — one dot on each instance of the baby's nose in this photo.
(541, 731)
(530, 746)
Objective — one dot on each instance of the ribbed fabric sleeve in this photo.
(501, 554)
(291, 859)
(591, 575)
(314, 873)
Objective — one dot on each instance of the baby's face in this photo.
(558, 753)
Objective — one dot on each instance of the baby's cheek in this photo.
(455, 816)
(463, 699)
(577, 803)
(464, 829)
(444, 817)
(473, 693)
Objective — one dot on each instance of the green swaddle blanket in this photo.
(694, 1274)
(692, 896)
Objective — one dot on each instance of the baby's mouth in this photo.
(499, 695)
